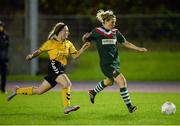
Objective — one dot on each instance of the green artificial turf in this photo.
(47, 109)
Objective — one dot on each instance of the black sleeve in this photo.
(92, 35)
(120, 37)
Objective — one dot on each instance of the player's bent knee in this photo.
(110, 84)
(66, 85)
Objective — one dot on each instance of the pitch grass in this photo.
(150, 66)
(108, 109)
(136, 66)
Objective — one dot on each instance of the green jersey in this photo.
(106, 43)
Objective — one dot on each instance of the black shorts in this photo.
(110, 70)
(55, 68)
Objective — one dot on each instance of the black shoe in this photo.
(91, 96)
(132, 109)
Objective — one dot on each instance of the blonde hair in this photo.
(104, 15)
(56, 29)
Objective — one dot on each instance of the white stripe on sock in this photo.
(123, 96)
(128, 102)
(127, 98)
(101, 85)
(95, 90)
(98, 87)
(124, 92)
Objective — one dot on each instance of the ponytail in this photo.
(56, 29)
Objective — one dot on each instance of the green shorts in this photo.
(111, 71)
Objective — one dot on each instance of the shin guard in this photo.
(66, 96)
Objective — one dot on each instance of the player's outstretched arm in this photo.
(33, 55)
(132, 46)
(85, 37)
(83, 48)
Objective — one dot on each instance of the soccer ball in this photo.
(168, 108)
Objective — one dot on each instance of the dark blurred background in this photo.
(151, 23)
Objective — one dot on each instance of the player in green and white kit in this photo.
(106, 38)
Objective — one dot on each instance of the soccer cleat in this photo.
(69, 109)
(132, 109)
(13, 94)
(91, 96)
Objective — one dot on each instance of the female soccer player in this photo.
(59, 49)
(106, 38)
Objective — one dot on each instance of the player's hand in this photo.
(86, 45)
(85, 36)
(142, 50)
(29, 57)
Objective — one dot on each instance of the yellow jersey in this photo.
(58, 51)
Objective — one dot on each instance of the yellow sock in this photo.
(25, 91)
(66, 96)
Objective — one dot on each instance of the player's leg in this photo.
(66, 93)
(99, 87)
(121, 81)
(45, 86)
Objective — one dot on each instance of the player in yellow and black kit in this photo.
(59, 49)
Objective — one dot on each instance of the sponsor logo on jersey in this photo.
(109, 41)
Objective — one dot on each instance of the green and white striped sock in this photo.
(125, 95)
(99, 87)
